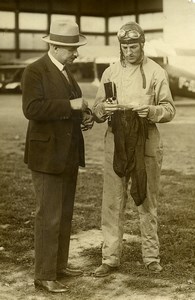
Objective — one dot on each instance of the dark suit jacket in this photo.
(46, 103)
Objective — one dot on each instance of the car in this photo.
(10, 77)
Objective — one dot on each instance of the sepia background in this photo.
(169, 27)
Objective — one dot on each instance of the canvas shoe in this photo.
(104, 270)
(154, 267)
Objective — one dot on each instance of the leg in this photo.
(148, 212)
(113, 204)
(48, 189)
(69, 187)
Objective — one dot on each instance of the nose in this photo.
(75, 53)
(129, 51)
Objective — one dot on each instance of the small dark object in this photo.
(110, 90)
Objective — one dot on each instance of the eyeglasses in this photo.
(130, 34)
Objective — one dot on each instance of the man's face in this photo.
(131, 52)
(66, 55)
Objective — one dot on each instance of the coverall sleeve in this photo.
(164, 108)
(98, 110)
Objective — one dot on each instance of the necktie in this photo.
(65, 74)
(72, 88)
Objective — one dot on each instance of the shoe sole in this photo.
(61, 276)
(102, 275)
(41, 288)
(154, 271)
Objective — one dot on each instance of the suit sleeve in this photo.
(34, 102)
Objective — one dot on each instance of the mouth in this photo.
(71, 59)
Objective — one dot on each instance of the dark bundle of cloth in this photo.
(130, 133)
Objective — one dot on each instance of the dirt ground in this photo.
(17, 281)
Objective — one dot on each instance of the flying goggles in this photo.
(130, 36)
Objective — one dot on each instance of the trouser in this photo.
(54, 209)
(113, 206)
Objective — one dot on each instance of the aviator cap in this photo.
(131, 33)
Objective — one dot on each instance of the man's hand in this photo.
(79, 104)
(87, 120)
(142, 110)
(104, 110)
(110, 108)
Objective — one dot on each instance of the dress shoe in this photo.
(50, 286)
(154, 267)
(69, 272)
(104, 270)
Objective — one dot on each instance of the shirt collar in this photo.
(56, 62)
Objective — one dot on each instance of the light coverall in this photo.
(156, 94)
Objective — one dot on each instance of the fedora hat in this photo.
(65, 33)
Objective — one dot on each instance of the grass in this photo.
(176, 231)
(176, 219)
(176, 210)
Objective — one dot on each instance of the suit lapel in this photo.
(56, 77)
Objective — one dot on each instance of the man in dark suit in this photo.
(53, 104)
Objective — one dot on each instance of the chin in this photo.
(69, 61)
(132, 60)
